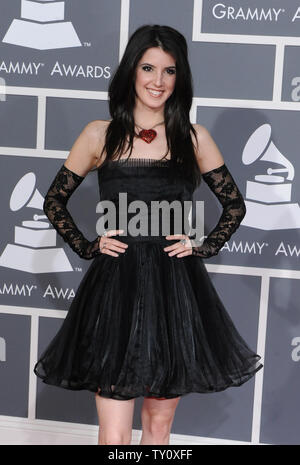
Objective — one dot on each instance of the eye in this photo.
(146, 66)
(171, 71)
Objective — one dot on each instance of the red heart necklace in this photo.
(148, 134)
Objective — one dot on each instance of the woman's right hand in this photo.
(108, 245)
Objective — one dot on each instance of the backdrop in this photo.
(56, 59)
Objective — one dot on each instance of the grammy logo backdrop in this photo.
(56, 59)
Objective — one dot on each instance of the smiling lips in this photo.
(155, 93)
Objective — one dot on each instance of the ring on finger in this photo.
(183, 241)
(101, 248)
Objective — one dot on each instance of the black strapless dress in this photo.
(144, 323)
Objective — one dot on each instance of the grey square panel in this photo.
(280, 403)
(251, 17)
(177, 14)
(225, 70)
(68, 53)
(66, 118)
(18, 121)
(14, 364)
(291, 79)
(28, 278)
(271, 237)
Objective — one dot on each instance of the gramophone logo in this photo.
(34, 249)
(2, 350)
(268, 197)
(42, 26)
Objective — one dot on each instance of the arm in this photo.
(71, 174)
(218, 178)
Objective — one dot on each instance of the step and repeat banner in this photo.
(56, 60)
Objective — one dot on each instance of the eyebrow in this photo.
(149, 64)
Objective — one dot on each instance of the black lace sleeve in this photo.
(222, 184)
(55, 207)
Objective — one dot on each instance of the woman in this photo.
(146, 319)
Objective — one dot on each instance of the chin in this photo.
(155, 104)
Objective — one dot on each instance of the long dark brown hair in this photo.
(177, 107)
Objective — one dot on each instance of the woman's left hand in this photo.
(180, 249)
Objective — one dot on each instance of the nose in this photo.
(158, 78)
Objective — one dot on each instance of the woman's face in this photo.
(155, 78)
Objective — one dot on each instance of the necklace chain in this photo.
(152, 127)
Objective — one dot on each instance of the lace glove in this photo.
(55, 207)
(222, 184)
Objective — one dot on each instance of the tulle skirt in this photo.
(147, 324)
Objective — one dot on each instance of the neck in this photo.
(147, 117)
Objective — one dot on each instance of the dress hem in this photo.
(145, 392)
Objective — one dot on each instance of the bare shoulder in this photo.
(207, 152)
(87, 147)
(201, 132)
(96, 129)
(98, 124)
